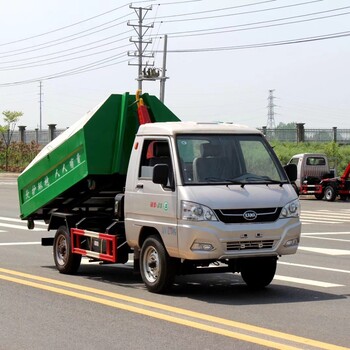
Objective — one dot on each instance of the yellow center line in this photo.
(183, 312)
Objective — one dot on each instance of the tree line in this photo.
(15, 156)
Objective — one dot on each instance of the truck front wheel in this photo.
(330, 194)
(257, 273)
(155, 266)
(65, 261)
(319, 196)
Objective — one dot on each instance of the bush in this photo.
(20, 155)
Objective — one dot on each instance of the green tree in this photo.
(10, 118)
(290, 126)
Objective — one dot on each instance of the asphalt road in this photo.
(306, 306)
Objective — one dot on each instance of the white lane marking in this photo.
(8, 183)
(324, 220)
(325, 233)
(321, 220)
(326, 251)
(19, 227)
(307, 282)
(19, 220)
(19, 243)
(313, 267)
(329, 211)
(307, 221)
(328, 239)
(322, 215)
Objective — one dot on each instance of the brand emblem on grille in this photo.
(250, 215)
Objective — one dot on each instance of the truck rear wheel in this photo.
(65, 261)
(330, 194)
(258, 273)
(155, 265)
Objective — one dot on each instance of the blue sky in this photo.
(41, 39)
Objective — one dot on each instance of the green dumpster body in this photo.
(86, 164)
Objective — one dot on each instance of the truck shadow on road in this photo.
(230, 289)
(221, 288)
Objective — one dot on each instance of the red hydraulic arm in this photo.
(142, 110)
(346, 172)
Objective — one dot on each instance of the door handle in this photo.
(139, 186)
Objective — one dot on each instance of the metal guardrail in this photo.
(42, 137)
(299, 134)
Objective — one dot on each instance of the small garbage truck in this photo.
(311, 169)
(182, 197)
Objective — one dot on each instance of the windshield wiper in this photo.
(246, 179)
(252, 179)
(218, 179)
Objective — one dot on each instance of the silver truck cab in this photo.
(313, 165)
(204, 193)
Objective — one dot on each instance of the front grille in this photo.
(236, 216)
(244, 245)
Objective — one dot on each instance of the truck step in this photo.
(107, 244)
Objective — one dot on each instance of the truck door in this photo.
(154, 205)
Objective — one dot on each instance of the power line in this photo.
(51, 43)
(62, 40)
(69, 54)
(45, 63)
(216, 10)
(179, 2)
(81, 69)
(219, 30)
(266, 44)
(239, 13)
(75, 48)
(65, 27)
(90, 67)
(83, 21)
(110, 61)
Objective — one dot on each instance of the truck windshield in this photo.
(228, 159)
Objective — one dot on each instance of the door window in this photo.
(155, 152)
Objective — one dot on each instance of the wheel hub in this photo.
(61, 251)
(151, 266)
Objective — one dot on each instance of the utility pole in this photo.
(163, 78)
(40, 104)
(140, 43)
(270, 111)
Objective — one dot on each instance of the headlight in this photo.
(291, 210)
(196, 212)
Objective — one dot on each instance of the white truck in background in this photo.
(311, 169)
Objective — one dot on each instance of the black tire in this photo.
(330, 194)
(156, 268)
(258, 273)
(66, 262)
(319, 196)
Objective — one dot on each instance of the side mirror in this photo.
(291, 171)
(160, 174)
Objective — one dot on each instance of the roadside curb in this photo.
(9, 174)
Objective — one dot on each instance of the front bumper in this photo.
(229, 241)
